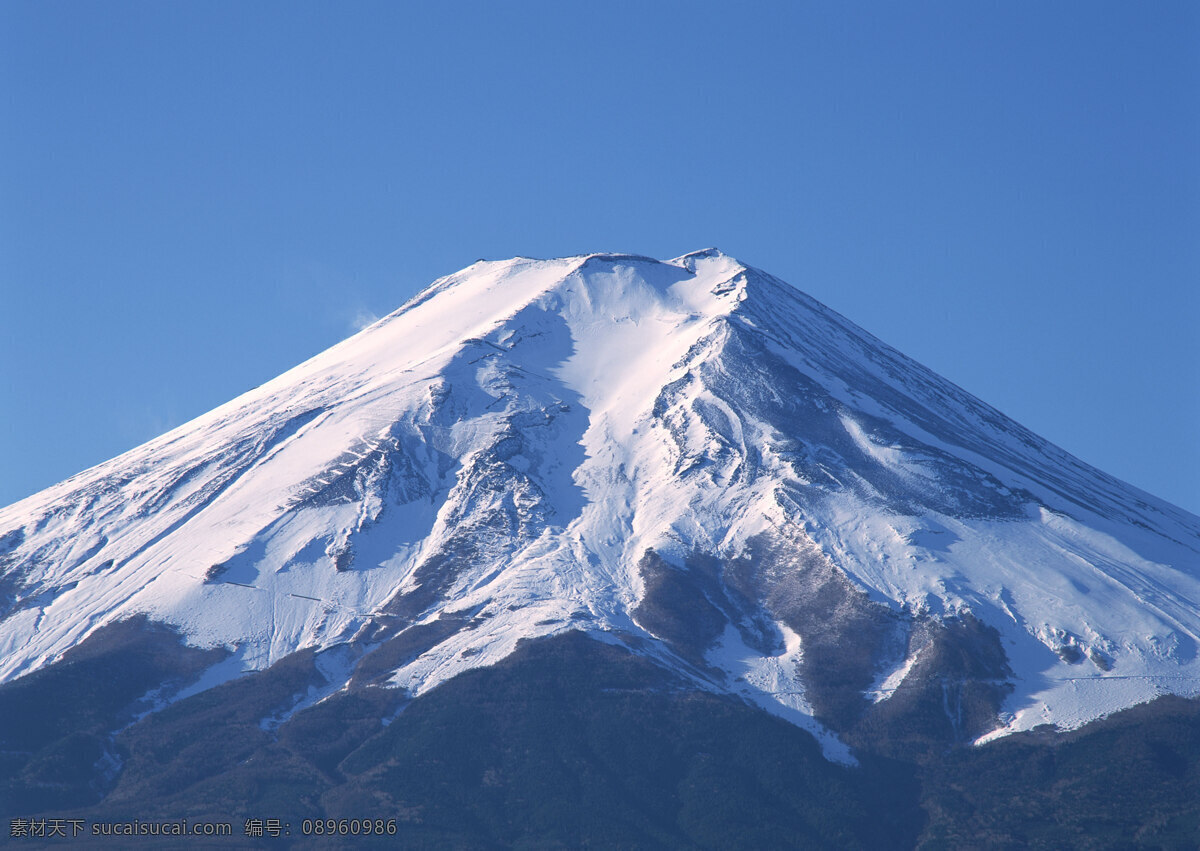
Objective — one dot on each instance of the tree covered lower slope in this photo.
(569, 742)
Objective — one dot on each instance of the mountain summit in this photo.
(689, 460)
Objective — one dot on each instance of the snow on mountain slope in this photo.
(496, 460)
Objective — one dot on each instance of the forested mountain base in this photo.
(575, 743)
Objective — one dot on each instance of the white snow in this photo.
(582, 349)
(773, 682)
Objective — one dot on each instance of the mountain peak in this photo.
(689, 260)
(688, 458)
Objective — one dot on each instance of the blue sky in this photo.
(195, 196)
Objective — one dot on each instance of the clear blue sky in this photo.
(194, 196)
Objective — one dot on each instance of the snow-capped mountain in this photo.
(687, 458)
